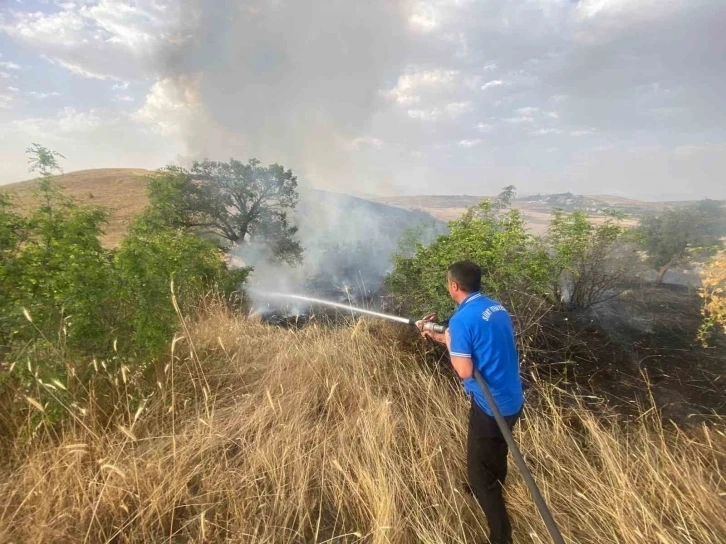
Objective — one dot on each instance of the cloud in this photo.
(492, 84)
(90, 138)
(78, 69)
(528, 111)
(67, 122)
(546, 131)
(470, 143)
(367, 142)
(170, 107)
(448, 111)
(9, 65)
(41, 96)
(455, 109)
(103, 39)
(415, 81)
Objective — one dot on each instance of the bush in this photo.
(54, 269)
(146, 263)
(588, 262)
(70, 307)
(682, 235)
(576, 265)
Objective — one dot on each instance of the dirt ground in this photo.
(640, 346)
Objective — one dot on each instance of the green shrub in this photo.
(575, 265)
(54, 269)
(146, 263)
(71, 308)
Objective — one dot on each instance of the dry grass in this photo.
(257, 434)
(123, 190)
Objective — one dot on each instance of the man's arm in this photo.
(459, 344)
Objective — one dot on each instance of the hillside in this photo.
(345, 436)
(123, 190)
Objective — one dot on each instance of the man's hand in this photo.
(425, 319)
(439, 337)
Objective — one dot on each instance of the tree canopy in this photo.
(233, 203)
(678, 235)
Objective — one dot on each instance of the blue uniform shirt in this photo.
(482, 330)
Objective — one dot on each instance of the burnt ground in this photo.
(639, 346)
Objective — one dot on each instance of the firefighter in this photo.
(480, 335)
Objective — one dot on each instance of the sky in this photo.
(389, 97)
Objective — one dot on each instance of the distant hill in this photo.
(123, 190)
(536, 209)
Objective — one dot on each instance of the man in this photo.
(481, 336)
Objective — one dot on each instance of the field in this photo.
(536, 210)
(252, 433)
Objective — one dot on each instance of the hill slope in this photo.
(123, 190)
(320, 214)
(343, 436)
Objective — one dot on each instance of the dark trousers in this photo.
(487, 467)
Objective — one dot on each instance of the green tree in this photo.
(43, 160)
(677, 236)
(233, 203)
(588, 262)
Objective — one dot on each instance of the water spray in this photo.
(516, 453)
(342, 306)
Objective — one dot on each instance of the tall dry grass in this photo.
(259, 434)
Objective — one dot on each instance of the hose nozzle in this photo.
(434, 327)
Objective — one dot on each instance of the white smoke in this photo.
(289, 81)
(297, 82)
(348, 244)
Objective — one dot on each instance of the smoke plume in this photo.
(288, 81)
(297, 82)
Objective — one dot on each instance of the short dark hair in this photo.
(467, 274)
